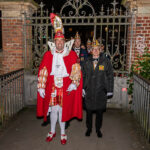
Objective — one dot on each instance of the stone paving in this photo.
(120, 132)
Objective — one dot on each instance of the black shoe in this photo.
(67, 125)
(45, 123)
(99, 134)
(88, 132)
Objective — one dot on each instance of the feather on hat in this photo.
(58, 26)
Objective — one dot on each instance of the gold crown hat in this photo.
(89, 42)
(58, 26)
(77, 36)
(95, 43)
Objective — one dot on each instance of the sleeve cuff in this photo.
(109, 94)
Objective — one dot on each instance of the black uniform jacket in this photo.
(82, 56)
(97, 83)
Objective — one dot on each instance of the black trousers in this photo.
(89, 118)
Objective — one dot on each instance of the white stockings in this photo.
(56, 111)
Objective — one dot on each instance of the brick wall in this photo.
(143, 31)
(12, 54)
(141, 28)
(14, 49)
(140, 39)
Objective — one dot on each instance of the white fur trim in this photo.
(51, 46)
(68, 45)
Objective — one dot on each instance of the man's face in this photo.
(77, 43)
(96, 51)
(59, 44)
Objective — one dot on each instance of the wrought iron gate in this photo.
(109, 25)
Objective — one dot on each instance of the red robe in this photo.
(72, 103)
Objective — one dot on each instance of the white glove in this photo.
(71, 87)
(42, 92)
(83, 93)
(109, 94)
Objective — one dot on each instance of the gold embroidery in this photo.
(76, 73)
(82, 59)
(58, 82)
(56, 96)
(101, 67)
(42, 78)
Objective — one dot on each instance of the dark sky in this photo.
(57, 4)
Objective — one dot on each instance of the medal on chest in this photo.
(58, 82)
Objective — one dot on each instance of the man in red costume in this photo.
(59, 83)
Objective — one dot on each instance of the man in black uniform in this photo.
(89, 46)
(98, 84)
(81, 53)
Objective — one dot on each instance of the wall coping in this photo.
(141, 7)
(16, 8)
(22, 1)
(8, 5)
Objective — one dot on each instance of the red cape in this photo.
(72, 103)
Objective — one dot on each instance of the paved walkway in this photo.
(119, 133)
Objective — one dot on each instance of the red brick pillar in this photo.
(139, 30)
(12, 55)
(142, 33)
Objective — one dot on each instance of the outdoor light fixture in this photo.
(70, 29)
(106, 29)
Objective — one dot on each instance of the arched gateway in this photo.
(110, 25)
